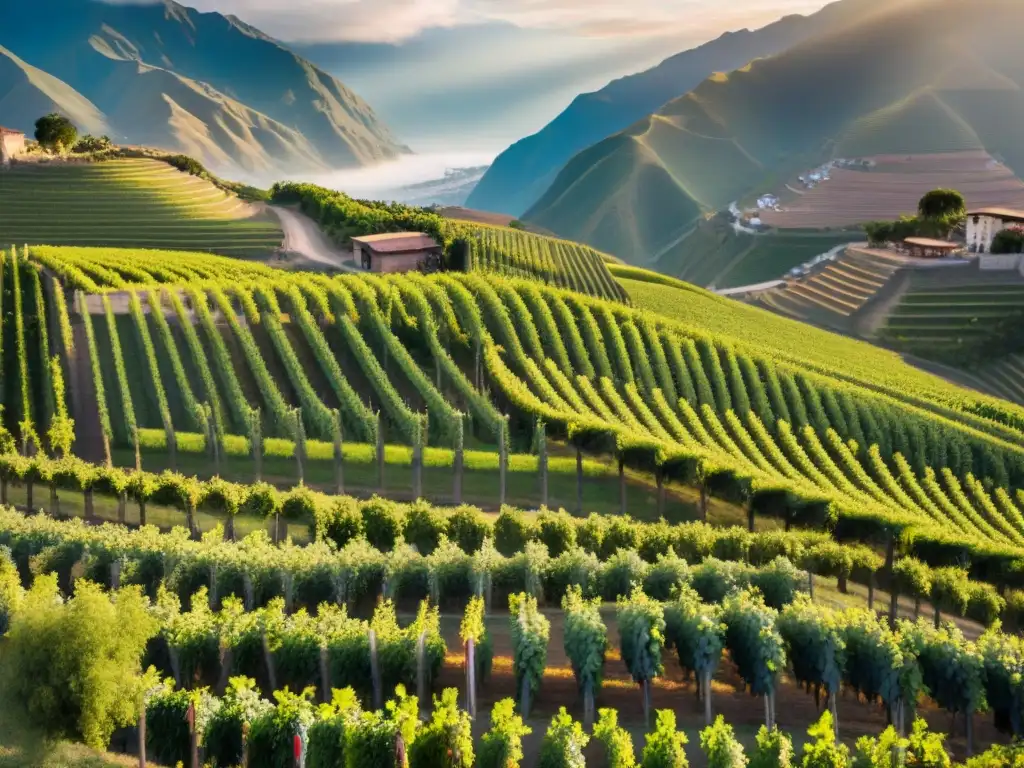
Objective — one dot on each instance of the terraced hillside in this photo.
(798, 423)
(1004, 378)
(893, 187)
(128, 203)
(945, 315)
(832, 295)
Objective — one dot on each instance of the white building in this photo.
(982, 227)
(12, 144)
(767, 201)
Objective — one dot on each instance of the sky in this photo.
(395, 21)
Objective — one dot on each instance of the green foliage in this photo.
(468, 528)
(474, 628)
(326, 746)
(753, 641)
(888, 750)
(696, 632)
(424, 526)
(563, 743)
(641, 635)
(942, 204)
(586, 639)
(556, 530)
(721, 747)
(1008, 241)
(513, 530)
(271, 738)
(56, 133)
(772, 749)
(502, 745)
(223, 732)
(530, 631)
(815, 644)
(382, 523)
(822, 750)
(382, 737)
(447, 740)
(618, 744)
(778, 582)
(72, 669)
(665, 746)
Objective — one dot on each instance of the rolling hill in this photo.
(521, 174)
(211, 85)
(934, 74)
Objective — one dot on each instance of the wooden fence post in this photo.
(542, 461)
(380, 453)
(417, 458)
(339, 458)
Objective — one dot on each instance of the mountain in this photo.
(206, 83)
(27, 92)
(521, 174)
(921, 76)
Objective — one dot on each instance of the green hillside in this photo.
(750, 407)
(211, 86)
(140, 203)
(927, 76)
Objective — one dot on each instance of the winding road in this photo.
(303, 236)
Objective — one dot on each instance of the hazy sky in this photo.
(397, 20)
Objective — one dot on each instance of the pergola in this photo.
(927, 248)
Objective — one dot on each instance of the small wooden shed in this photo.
(927, 248)
(395, 251)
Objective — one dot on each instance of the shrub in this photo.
(222, 736)
(667, 576)
(984, 605)
(822, 750)
(377, 738)
(447, 740)
(557, 530)
(72, 669)
(773, 749)
(665, 747)
(468, 528)
(339, 521)
(167, 730)
(272, 735)
(530, 633)
(618, 744)
(714, 579)
(575, 567)
(721, 747)
(513, 530)
(563, 743)
(623, 572)
(382, 523)
(326, 746)
(778, 582)
(586, 641)
(424, 527)
(502, 745)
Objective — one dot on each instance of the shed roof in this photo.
(1001, 213)
(397, 242)
(927, 242)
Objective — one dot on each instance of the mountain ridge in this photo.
(521, 174)
(875, 87)
(237, 76)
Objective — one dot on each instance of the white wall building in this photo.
(982, 227)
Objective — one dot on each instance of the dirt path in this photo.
(303, 236)
(84, 410)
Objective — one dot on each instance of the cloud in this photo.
(393, 21)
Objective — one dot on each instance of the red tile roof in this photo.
(397, 242)
(999, 213)
(11, 131)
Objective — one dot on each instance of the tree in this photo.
(56, 133)
(1009, 241)
(73, 669)
(942, 204)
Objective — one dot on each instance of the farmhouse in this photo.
(12, 144)
(983, 225)
(395, 251)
